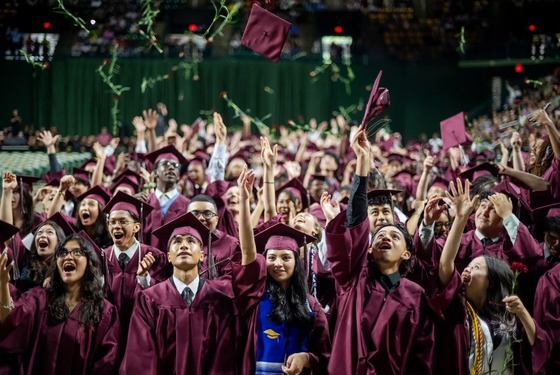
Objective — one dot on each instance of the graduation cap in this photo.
(405, 178)
(98, 193)
(295, 187)
(197, 160)
(126, 182)
(281, 237)
(129, 173)
(123, 201)
(166, 153)
(185, 224)
(265, 33)
(81, 175)
(318, 177)
(59, 220)
(27, 181)
(8, 231)
(548, 211)
(453, 131)
(378, 101)
(479, 170)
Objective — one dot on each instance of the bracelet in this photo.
(9, 306)
(61, 193)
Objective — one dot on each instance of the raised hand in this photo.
(150, 118)
(98, 149)
(145, 264)
(433, 209)
(502, 204)
(245, 181)
(5, 268)
(9, 181)
(460, 198)
(219, 128)
(360, 144)
(428, 162)
(293, 169)
(330, 210)
(115, 142)
(268, 154)
(138, 123)
(515, 141)
(66, 182)
(540, 117)
(46, 138)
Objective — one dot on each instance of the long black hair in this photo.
(38, 267)
(290, 306)
(91, 290)
(500, 280)
(100, 233)
(26, 203)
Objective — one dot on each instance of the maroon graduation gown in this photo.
(375, 332)
(65, 348)
(122, 286)
(10, 363)
(223, 249)
(156, 219)
(226, 223)
(168, 337)
(552, 176)
(249, 285)
(546, 312)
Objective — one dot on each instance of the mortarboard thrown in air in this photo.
(378, 101)
(453, 131)
(265, 33)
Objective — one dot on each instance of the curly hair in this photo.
(406, 266)
(37, 266)
(290, 305)
(543, 159)
(91, 289)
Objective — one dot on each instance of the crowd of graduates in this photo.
(340, 252)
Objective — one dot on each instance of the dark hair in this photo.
(292, 196)
(380, 200)
(552, 224)
(99, 227)
(26, 203)
(206, 199)
(500, 280)
(483, 184)
(91, 290)
(332, 155)
(290, 306)
(406, 265)
(485, 194)
(38, 267)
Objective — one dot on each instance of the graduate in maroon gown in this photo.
(475, 334)
(546, 311)
(68, 328)
(131, 265)
(186, 324)
(383, 322)
(224, 248)
(9, 363)
(287, 329)
(167, 202)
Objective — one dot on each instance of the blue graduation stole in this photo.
(166, 205)
(276, 342)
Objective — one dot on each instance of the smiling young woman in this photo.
(67, 328)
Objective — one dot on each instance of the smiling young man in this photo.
(131, 265)
(186, 324)
(206, 210)
(375, 304)
(167, 202)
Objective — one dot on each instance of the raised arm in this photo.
(464, 206)
(49, 141)
(58, 202)
(269, 156)
(9, 183)
(518, 163)
(357, 205)
(217, 165)
(543, 118)
(97, 175)
(246, 236)
(535, 183)
(150, 121)
(422, 189)
(6, 303)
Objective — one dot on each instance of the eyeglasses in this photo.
(440, 224)
(76, 253)
(167, 163)
(121, 222)
(205, 214)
